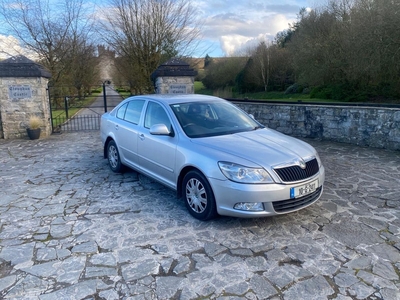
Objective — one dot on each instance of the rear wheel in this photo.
(114, 159)
(198, 196)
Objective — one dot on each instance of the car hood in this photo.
(265, 147)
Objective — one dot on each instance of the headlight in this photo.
(244, 174)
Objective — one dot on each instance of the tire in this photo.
(198, 196)
(114, 160)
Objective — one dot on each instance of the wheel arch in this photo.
(205, 209)
(182, 174)
(105, 154)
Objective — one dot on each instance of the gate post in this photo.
(66, 99)
(104, 94)
(23, 93)
(174, 77)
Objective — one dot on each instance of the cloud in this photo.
(229, 26)
(10, 46)
(234, 33)
(230, 43)
(239, 25)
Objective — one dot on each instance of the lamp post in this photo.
(104, 94)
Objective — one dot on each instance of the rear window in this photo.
(121, 111)
(133, 111)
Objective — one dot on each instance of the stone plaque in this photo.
(177, 88)
(19, 91)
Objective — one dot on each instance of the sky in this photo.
(230, 27)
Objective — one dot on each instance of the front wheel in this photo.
(198, 196)
(114, 159)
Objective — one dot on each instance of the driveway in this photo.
(72, 229)
(88, 118)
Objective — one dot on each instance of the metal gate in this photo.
(78, 113)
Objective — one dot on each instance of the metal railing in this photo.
(76, 117)
(77, 123)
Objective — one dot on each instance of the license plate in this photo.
(302, 190)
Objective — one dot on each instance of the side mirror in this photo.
(160, 129)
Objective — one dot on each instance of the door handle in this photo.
(141, 136)
(116, 127)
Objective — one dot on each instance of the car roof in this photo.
(176, 98)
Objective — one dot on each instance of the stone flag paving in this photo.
(72, 229)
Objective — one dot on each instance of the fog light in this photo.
(249, 206)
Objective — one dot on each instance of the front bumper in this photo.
(275, 197)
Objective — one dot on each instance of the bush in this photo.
(341, 92)
(294, 89)
(321, 92)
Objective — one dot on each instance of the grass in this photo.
(59, 115)
(123, 92)
(281, 96)
(199, 88)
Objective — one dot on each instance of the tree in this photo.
(375, 26)
(262, 58)
(223, 72)
(83, 71)
(207, 61)
(311, 47)
(349, 46)
(149, 32)
(283, 37)
(46, 28)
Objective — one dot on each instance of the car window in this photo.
(133, 111)
(201, 119)
(121, 111)
(155, 114)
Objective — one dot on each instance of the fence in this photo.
(73, 113)
(76, 123)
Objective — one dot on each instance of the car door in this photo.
(126, 129)
(156, 153)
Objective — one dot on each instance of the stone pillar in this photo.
(174, 77)
(23, 93)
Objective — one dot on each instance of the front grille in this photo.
(297, 203)
(295, 173)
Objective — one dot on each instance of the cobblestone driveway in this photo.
(71, 229)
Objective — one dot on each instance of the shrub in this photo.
(321, 92)
(294, 89)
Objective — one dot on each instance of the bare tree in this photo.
(268, 68)
(50, 29)
(83, 66)
(262, 58)
(148, 32)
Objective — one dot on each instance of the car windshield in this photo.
(202, 119)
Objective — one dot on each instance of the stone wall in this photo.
(365, 126)
(23, 93)
(15, 111)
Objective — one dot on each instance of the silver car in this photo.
(215, 156)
